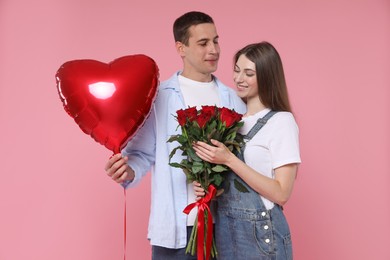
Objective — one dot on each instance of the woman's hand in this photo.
(218, 154)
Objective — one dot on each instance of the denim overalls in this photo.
(245, 229)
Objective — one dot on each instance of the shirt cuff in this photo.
(125, 183)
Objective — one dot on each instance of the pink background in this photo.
(57, 203)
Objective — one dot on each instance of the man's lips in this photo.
(212, 60)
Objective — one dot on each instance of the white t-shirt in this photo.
(275, 145)
(197, 94)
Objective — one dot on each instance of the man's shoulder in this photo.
(166, 88)
(172, 81)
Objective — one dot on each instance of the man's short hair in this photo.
(181, 25)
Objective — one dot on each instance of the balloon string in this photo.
(124, 229)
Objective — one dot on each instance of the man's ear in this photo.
(180, 48)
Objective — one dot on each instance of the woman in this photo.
(250, 222)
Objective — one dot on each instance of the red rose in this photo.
(181, 117)
(187, 114)
(204, 117)
(209, 109)
(229, 117)
(191, 113)
(237, 116)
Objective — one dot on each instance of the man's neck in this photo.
(201, 77)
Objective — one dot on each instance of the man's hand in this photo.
(118, 170)
(198, 190)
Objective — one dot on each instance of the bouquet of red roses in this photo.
(210, 122)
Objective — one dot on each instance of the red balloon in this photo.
(109, 102)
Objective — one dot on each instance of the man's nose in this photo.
(213, 48)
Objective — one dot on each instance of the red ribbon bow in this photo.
(203, 204)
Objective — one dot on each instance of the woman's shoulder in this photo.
(285, 115)
(283, 118)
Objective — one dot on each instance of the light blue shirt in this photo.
(148, 151)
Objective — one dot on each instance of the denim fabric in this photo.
(245, 229)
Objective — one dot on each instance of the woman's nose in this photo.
(238, 77)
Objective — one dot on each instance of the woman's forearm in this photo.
(277, 190)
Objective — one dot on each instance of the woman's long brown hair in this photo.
(270, 75)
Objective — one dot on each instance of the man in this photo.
(169, 228)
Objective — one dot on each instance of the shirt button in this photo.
(263, 213)
(266, 227)
(267, 240)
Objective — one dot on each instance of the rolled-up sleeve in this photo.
(141, 150)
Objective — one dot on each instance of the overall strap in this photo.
(259, 124)
(248, 197)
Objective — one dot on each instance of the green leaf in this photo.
(230, 143)
(232, 136)
(219, 168)
(240, 187)
(173, 138)
(189, 175)
(191, 153)
(194, 131)
(212, 126)
(197, 167)
(173, 152)
(186, 163)
(240, 124)
(217, 179)
(176, 165)
(182, 139)
(211, 133)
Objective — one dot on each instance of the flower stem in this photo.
(214, 252)
(194, 241)
(191, 246)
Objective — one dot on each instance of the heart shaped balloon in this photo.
(109, 102)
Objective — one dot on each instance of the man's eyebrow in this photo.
(203, 40)
(207, 39)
